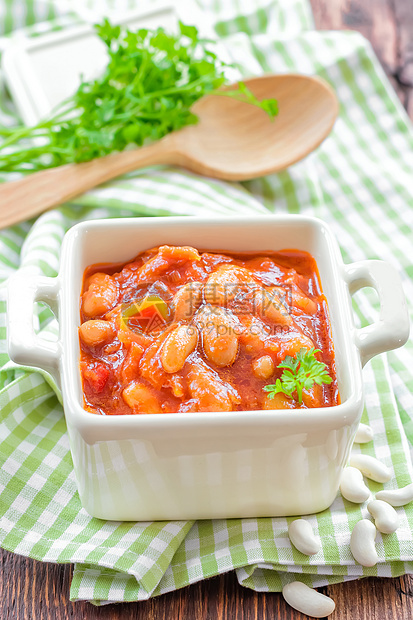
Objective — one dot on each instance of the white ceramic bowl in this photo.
(208, 465)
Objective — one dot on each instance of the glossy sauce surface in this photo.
(180, 330)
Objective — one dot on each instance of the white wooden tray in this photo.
(43, 71)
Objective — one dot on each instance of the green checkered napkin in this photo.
(359, 181)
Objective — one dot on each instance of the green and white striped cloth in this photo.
(359, 181)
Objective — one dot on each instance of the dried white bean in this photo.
(362, 543)
(308, 601)
(352, 486)
(397, 497)
(364, 434)
(302, 537)
(370, 467)
(385, 517)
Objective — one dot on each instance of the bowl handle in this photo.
(24, 345)
(392, 329)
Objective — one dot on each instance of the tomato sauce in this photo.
(177, 330)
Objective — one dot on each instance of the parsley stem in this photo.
(26, 132)
(177, 89)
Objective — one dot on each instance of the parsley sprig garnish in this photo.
(300, 373)
(150, 83)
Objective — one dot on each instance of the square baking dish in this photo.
(208, 464)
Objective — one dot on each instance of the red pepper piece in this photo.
(96, 376)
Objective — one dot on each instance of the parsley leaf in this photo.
(299, 373)
(150, 83)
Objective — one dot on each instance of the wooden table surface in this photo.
(33, 590)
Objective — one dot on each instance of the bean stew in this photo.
(180, 330)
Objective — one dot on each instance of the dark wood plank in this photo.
(388, 24)
(32, 590)
(375, 20)
(403, 11)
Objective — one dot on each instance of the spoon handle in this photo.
(37, 192)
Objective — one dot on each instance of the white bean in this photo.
(308, 601)
(263, 367)
(397, 497)
(385, 517)
(187, 300)
(362, 543)
(364, 434)
(219, 335)
(94, 333)
(100, 296)
(352, 486)
(179, 344)
(370, 467)
(302, 537)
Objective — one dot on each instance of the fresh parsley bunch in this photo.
(150, 83)
(300, 373)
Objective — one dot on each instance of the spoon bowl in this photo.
(237, 141)
(233, 140)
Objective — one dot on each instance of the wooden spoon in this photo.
(233, 141)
